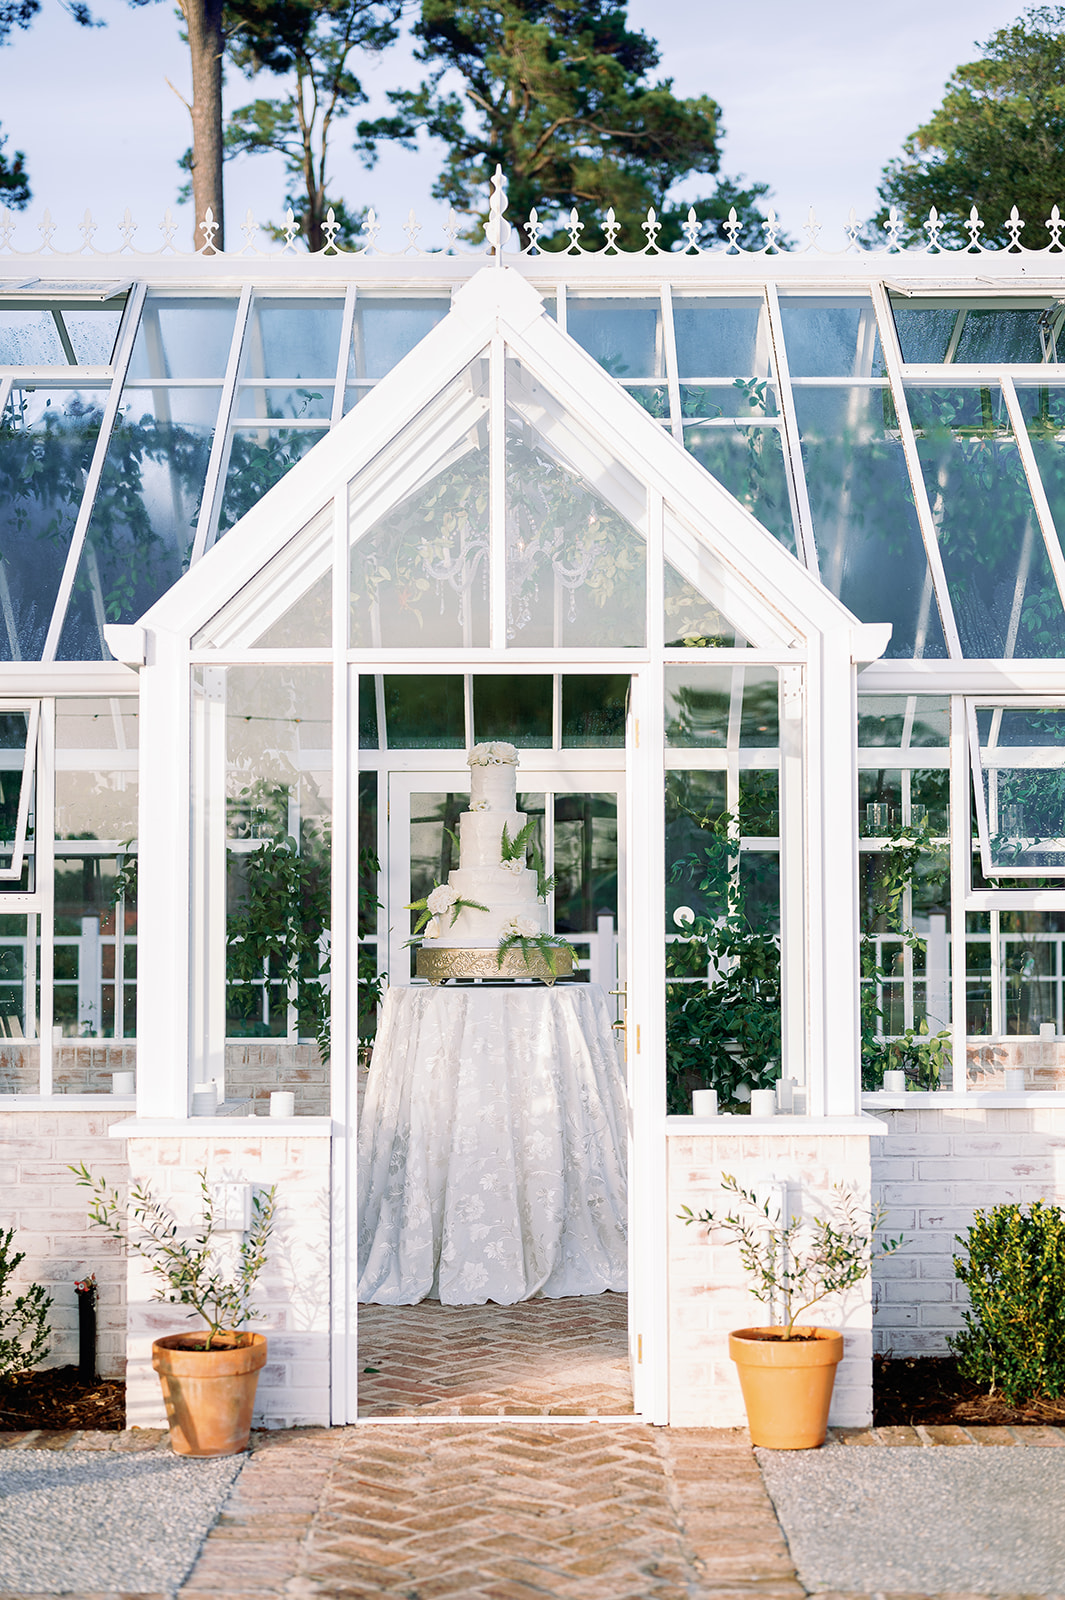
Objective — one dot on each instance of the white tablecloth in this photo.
(492, 1147)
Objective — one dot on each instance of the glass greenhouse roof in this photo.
(906, 444)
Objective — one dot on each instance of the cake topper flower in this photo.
(496, 754)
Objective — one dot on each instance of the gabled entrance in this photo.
(504, 510)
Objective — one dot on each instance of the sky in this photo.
(815, 99)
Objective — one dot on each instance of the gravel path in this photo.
(101, 1521)
(965, 1520)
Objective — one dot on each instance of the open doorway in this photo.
(549, 1353)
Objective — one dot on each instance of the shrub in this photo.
(1014, 1333)
(23, 1319)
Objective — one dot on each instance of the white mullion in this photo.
(344, 956)
(347, 322)
(790, 833)
(561, 307)
(925, 520)
(955, 338)
(94, 474)
(655, 552)
(997, 975)
(44, 847)
(219, 457)
(960, 875)
(556, 711)
(804, 522)
(672, 369)
(1035, 484)
(497, 495)
(467, 709)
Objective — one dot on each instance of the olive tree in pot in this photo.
(208, 1376)
(787, 1369)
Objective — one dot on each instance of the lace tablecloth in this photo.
(492, 1147)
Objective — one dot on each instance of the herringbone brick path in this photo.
(508, 1511)
(540, 1358)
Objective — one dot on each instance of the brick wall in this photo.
(254, 1068)
(936, 1166)
(707, 1286)
(293, 1292)
(1043, 1061)
(40, 1199)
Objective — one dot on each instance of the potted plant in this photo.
(787, 1370)
(209, 1376)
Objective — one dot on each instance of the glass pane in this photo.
(517, 709)
(692, 619)
(721, 338)
(385, 330)
(719, 707)
(309, 622)
(1021, 790)
(749, 463)
(293, 339)
(96, 805)
(17, 939)
(183, 338)
(722, 949)
(92, 724)
(277, 792)
(994, 336)
(419, 573)
(47, 438)
(586, 860)
(743, 397)
(30, 339)
(902, 721)
(259, 458)
(144, 520)
(924, 331)
(284, 402)
(830, 338)
(86, 891)
(865, 523)
(1004, 598)
(425, 712)
(1044, 414)
(593, 712)
(624, 336)
(576, 554)
(288, 603)
(368, 731)
(92, 332)
(1030, 962)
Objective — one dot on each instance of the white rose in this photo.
(515, 866)
(524, 927)
(431, 929)
(442, 899)
(503, 754)
(479, 756)
(480, 805)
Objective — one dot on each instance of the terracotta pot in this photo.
(209, 1394)
(787, 1384)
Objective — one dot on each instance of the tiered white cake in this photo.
(507, 888)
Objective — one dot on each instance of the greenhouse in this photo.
(754, 558)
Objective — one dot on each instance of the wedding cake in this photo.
(504, 892)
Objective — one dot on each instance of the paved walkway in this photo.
(505, 1510)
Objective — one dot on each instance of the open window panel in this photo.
(1017, 753)
(19, 728)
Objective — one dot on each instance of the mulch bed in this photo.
(930, 1390)
(57, 1399)
(926, 1389)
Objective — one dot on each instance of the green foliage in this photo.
(723, 1030)
(515, 850)
(547, 944)
(279, 926)
(556, 92)
(24, 1330)
(793, 1264)
(921, 1055)
(310, 45)
(188, 1270)
(998, 140)
(426, 916)
(1014, 1333)
(15, 191)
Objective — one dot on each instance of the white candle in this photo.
(785, 1094)
(763, 1102)
(282, 1103)
(1048, 1030)
(894, 1082)
(122, 1083)
(1015, 1081)
(704, 1102)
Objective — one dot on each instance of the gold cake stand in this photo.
(440, 965)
